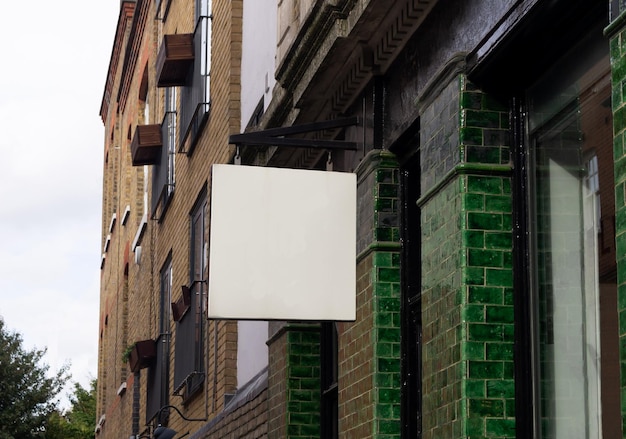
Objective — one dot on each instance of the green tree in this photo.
(28, 395)
(79, 421)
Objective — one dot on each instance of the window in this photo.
(163, 174)
(195, 96)
(158, 374)
(189, 361)
(572, 270)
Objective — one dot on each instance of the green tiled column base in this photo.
(303, 382)
(487, 313)
(467, 310)
(380, 299)
(386, 338)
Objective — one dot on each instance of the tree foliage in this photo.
(79, 421)
(28, 394)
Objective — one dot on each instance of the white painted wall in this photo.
(252, 355)
(257, 80)
(258, 55)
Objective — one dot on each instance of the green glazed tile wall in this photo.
(442, 298)
(303, 382)
(618, 70)
(467, 309)
(371, 373)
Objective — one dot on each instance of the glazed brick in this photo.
(474, 202)
(482, 119)
(473, 351)
(499, 351)
(498, 204)
(498, 277)
(500, 427)
(485, 185)
(486, 369)
(482, 154)
(485, 332)
(501, 389)
(471, 136)
(484, 221)
(486, 407)
(498, 240)
(473, 275)
(618, 147)
(485, 258)
(474, 313)
(499, 314)
(475, 388)
(472, 100)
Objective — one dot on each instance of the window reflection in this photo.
(570, 128)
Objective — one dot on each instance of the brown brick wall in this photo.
(356, 365)
(123, 185)
(130, 302)
(245, 421)
(277, 387)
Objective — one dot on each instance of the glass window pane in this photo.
(570, 129)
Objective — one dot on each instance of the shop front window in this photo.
(573, 269)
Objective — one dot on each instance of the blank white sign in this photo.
(283, 244)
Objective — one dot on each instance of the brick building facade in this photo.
(490, 217)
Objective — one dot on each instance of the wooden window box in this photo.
(146, 145)
(174, 60)
(142, 354)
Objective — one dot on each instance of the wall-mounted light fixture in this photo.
(162, 432)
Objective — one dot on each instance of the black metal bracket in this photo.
(277, 136)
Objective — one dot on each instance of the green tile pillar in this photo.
(294, 381)
(616, 32)
(369, 348)
(467, 309)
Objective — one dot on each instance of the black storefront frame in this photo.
(411, 300)
(522, 300)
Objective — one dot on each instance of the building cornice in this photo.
(127, 9)
(133, 48)
(341, 46)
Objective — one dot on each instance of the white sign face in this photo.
(283, 244)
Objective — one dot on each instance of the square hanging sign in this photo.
(282, 244)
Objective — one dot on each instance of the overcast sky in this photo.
(55, 60)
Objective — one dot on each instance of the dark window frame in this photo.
(410, 311)
(164, 173)
(190, 367)
(195, 98)
(159, 374)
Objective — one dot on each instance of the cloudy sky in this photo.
(56, 56)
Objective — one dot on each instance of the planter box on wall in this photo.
(146, 145)
(142, 354)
